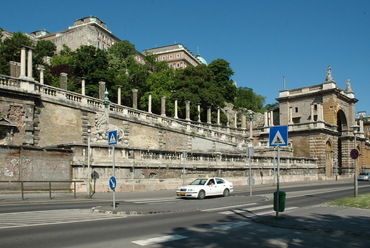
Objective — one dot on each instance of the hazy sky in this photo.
(263, 40)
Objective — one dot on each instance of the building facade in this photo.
(176, 56)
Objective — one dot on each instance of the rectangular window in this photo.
(296, 109)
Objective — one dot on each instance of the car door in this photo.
(211, 188)
(220, 186)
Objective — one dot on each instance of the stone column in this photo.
(227, 119)
(198, 112)
(218, 116)
(271, 118)
(101, 90)
(266, 119)
(209, 115)
(150, 103)
(134, 98)
(29, 64)
(236, 120)
(187, 110)
(41, 69)
(63, 80)
(119, 95)
(290, 115)
(176, 110)
(244, 121)
(23, 63)
(320, 112)
(312, 113)
(83, 92)
(163, 106)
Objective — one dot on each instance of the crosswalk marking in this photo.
(51, 217)
(153, 200)
(250, 211)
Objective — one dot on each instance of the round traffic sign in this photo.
(354, 153)
(112, 183)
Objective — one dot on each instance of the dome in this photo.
(201, 59)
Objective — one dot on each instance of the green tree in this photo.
(196, 84)
(222, 78)
(246, 98)
(10, 50)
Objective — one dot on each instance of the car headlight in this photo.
(189, 190)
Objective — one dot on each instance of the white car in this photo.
(364, 176)
(203, 187)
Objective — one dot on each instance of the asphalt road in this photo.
(222, 222)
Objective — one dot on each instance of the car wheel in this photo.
(226, 193)
(201, 194)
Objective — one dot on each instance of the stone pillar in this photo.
(29, 64)
(83, 86)
(176, 110)
(150, 103)
(23, 63)
(312, 114)
(236, 120)
(134, 98)
(199, 112)
(101, 90)
(244, 121)
(290, 115)
(119, 95)
(218, 116)
(187, 110)
(209, 115)
(41, 69)
(320, 112)
(266, 119)
(163, 106)
(15, 69)
(63, 80)
(271, 118)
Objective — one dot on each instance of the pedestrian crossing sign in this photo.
(278, 136)
(112, 138)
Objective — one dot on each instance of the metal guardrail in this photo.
(49, 188)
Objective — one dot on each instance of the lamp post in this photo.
(250, 150)
(88, 162)
(355, 131)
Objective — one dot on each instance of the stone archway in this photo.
(329, 162)
(342, 125)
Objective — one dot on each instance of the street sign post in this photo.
(278, 137)
(113, 140)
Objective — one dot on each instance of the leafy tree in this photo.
(272, 106)
(246, 98)
(222, 78)
(195, 84)
(10, 50)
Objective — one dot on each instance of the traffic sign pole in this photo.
(278, 183)
(114, 190)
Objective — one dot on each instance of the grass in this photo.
(361, 201)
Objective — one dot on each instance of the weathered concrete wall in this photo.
(32, 164)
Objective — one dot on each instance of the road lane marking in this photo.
(160, 239)
(51, 217)
(234, 206)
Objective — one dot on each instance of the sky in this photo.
(263, 40)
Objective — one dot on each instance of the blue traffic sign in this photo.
(112, 137)
(278, 136)
(112, 183)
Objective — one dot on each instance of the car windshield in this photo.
(364, 174)
(199, 182)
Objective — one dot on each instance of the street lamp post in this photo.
(250, 150)
(355, 131)
(88, 162)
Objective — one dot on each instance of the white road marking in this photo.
(160, 239)
(235, 206)
(51, 217)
